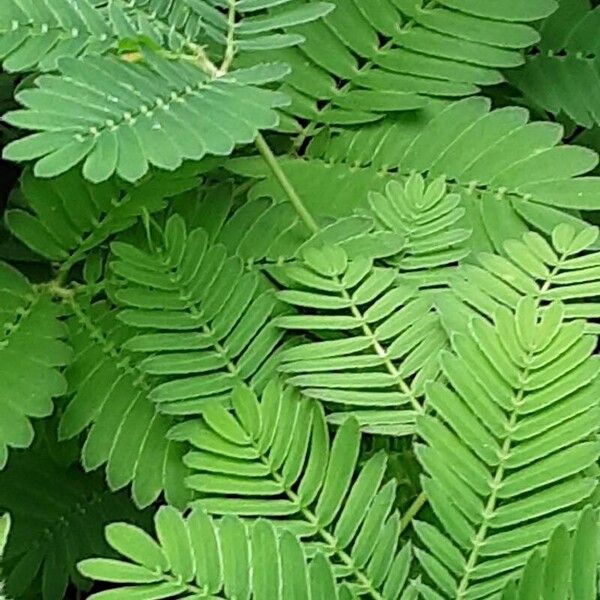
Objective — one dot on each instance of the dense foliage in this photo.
(299, 299)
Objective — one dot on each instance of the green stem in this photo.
(412, 511)
(380, 350)
(285, 183)
(230, 47)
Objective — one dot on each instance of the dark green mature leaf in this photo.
(68, 217)
(32, 349)
(109, 401)
(121, 117)
(368, 58)
(563, 76)
(58, 514)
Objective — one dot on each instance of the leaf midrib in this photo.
(490, 507)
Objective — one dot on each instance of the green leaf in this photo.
(224, 557)
(521, 462)
(71, 509)
(116, 571)
(319, 490)
(173, 537)
(342, 462)
(585, 557)
(137, 545)
(156, 135)
(187, 292)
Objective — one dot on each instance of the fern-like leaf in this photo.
(109, 401)
(567, 570)
(414, 227)
(32, 349)
(241, 228)
(258, 24)
(511, 174)
(205, 324)
(39, 35)
(366, 59)
(121, 117)
(273, 458)
(205, 557)
(63, 219)
(35, 35)
(563, 75)
(373, 341)
(567, 270)
(507, 449)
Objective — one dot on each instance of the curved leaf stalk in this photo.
(412, 511)
(56, 289)
(311, 224)
(263, 147)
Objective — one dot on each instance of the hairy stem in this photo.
(230, 47)
(286, 184)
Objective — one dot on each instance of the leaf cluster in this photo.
(299, 300)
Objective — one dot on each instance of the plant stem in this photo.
(412, 511)
(286, 184)
(230, 47)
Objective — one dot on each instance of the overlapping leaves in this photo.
(413, 226)
(57, 515)
(567, 271)
(273, 458)
(408, 299)
(563, 75)
(567, 568)
(204, 323)
(201, 556)
(511, 174)
(121, 117)
(371, 340)
(368, 59)
(39, 35)
(65, 218)
(108, 400)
